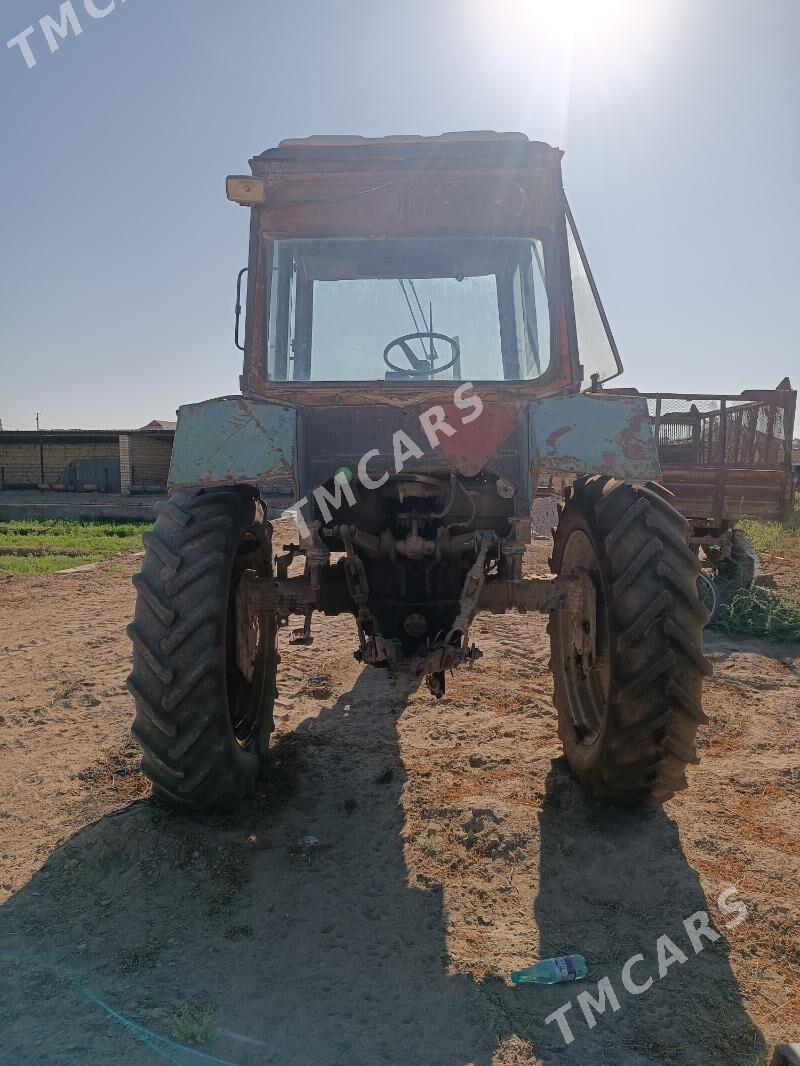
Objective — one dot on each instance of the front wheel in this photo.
(628, 664)
(203, 678)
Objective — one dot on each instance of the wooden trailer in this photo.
(727, 457)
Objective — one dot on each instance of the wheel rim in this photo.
(248, 696)
(587, 684)
(707, 592)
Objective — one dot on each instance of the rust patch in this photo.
(556, 433)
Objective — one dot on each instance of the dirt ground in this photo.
(407, 855)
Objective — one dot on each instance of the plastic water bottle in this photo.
(552, 971)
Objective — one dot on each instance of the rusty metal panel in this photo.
(593, 434)
(369, 205)
(233, 440)
(491, 186)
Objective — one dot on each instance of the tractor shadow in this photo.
(289, 932)
(611, 882)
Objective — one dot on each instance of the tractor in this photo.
(423, 342)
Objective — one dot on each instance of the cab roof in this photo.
(351, 139)
(486, 145)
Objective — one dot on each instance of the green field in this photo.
(91, 541)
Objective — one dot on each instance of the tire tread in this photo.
(656, 642)
(178, 680)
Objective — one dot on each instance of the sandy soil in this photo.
(407, 855)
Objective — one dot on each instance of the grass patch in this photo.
(45, 564)
(193, 1024)
(775, 538)
(756, 612)
(429, 844)
(762, 612)
(95, 541)
(141, 959)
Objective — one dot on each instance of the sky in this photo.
(679, 120)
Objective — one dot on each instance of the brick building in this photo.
(127, 461)
(144, 457)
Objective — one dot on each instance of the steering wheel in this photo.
(420, 368)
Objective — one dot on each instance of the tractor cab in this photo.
(417, 260)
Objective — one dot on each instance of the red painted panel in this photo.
(473, 444)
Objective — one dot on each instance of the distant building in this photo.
(81, 460)
(158, 423)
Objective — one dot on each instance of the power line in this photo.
(16, 425)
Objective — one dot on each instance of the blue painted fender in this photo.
(594, 434)
(232, 440)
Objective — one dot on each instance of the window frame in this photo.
(571, 228)
(553, 263)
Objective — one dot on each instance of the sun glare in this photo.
(567, 20)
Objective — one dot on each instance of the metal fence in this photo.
(750, 430)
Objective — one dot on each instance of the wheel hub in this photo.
(585, 636)
(584, 625)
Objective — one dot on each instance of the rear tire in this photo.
(628, 719)
(202, 724)
(742, 567)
